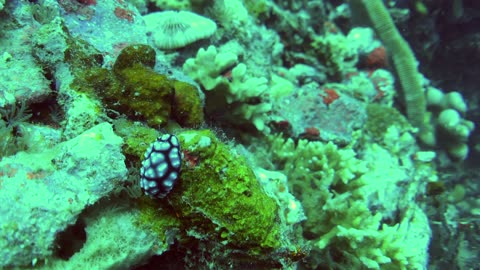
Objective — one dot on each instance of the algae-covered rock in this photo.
(187, 108)
(219, 198)
(135, 89)
(136, 137)
(138, 54)
(144, 92)
(380, 118)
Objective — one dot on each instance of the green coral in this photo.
(237, 96)
(317, 172)
(220, 198)
(336, 52)
(208, 65)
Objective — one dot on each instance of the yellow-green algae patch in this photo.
(220, 198)
(144, 91)
(157, 217)
(136, 138)
(187, 108)
(134, 89)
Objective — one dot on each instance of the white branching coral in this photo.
(206, 68)
(228, 85)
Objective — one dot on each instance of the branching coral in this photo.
(229, 90)
(347, 213)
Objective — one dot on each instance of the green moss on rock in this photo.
(187, 108)
(137, 54)
(133, 88)
(381, 117)
(145, 93)
(136, 138)
(94, 80)
(80, 54)
(219, 197)
(156, 217)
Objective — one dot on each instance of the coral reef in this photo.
(354, 222)
(447, 115)
(237, 134)
(406, 66)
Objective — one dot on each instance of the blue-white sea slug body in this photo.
(161, 166)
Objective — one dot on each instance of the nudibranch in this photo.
(161, 166)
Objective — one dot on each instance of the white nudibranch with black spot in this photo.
(161, 166)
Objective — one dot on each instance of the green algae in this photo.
(134, 89)
(220, 197)
(136, 138)
(381, 117)
(156, 217)
(146, 94)
(137, 54)
(187, 108)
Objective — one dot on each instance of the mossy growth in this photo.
(220, 199)
(381, 117)
(156, 217)
(94, 80)
(81, 55)
(133, 88)
(144, 92)
(136, 138)
(187, 108)
(138, 54)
